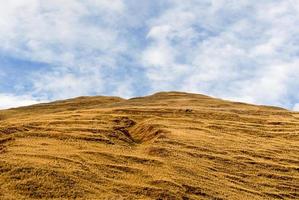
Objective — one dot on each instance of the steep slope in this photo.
(165, 146)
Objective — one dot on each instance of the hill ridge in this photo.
(168, 145)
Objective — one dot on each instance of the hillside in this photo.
(164, 146)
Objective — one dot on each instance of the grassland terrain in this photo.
(169, 145)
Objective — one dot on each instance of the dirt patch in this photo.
(147, 131)
(121, 126)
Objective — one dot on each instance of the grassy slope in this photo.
(168, 146)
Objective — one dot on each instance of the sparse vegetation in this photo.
(164, 146)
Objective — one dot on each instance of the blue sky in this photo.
(242, 50)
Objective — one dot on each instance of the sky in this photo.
(240, 50)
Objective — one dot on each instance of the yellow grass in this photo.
(165, 146)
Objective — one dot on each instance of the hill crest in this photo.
(169, 145)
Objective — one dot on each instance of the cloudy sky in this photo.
(242, 50)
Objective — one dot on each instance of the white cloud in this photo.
(64, 85)
(296, 107)
(241, 50)
(78, 39)
(238, 49)
(12, 101)
(159, 56)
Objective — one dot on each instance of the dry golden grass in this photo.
(165, 146)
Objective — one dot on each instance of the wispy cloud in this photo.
(241, 50)
(11, 101)
(296, 107)
(77, 39)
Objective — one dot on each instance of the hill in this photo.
(169, 145)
